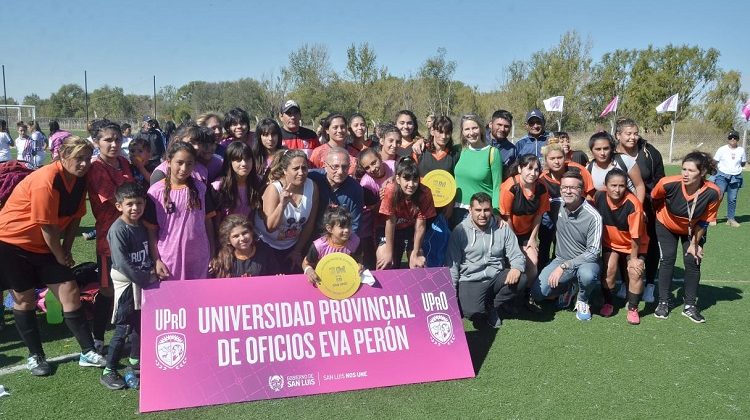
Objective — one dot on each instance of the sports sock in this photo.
(633, 300)
(28, 329)
(76, 322)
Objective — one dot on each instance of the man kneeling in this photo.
(477, 253)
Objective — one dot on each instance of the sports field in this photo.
(552, 366)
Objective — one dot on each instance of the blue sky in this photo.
(124, 43)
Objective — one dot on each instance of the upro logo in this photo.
(276, 382)
(170, 350)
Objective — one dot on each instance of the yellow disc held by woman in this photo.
(339, 275)
(443, 186)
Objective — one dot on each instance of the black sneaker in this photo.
(37, 365)
(662, 310)
(692, 313)
(494, 320)
(532, 306)
(112, 380)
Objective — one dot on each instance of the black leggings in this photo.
(668, 249)
(652, 253)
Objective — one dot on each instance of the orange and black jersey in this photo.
(522, 206)
(44, 197)
(622, 223)
(673, 205)
(553, 187)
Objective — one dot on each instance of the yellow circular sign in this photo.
(339, 275)
(443, 186)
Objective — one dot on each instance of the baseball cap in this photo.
(734, 134)
(147, 118)
(535, 113)
(286, 106)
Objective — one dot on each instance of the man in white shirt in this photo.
(730, 159)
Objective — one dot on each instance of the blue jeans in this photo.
(586, 274)
(731, 185)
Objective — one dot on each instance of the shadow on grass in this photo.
(480, 342)
(10, 340)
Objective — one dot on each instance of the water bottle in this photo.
(54, 308)
(131, 380)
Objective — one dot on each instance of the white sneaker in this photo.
(583, 312)
(92, 359)
(648, 293)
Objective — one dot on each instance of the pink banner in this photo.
(206, 342)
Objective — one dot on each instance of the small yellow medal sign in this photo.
(339, 275)
(443, 186)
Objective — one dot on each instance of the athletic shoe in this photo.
(532, 306)
(691, 312)
(37, 365)
(712, 223)
(733, 223)
(92, 359)
(607, 310)
(89, 235)
(112, 380)
(662, 310)
(648, 293)
(494, 320)
(565, 299)
(583, 312)
(622, 291)
(633, 317)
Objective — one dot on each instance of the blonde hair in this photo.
(207, 116)
(73, 146)
(552, 147)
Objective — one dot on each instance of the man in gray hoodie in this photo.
(477, 253)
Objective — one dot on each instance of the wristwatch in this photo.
(564, 266)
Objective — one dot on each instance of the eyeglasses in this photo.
(338, 167)
(570, 188)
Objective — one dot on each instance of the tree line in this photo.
(642, 78)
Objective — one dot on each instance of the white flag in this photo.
(670, 105)
(554, 104)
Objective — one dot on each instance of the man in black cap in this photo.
(293, 134)
(150, 133)
(536, 138)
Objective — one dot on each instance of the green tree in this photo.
(68, 101)
(362, 70)
(436, 75)
(722, 102)
(110, 102)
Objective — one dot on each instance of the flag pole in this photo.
(671, 138)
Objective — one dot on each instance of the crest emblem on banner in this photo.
(441, 329)
(170, 350)
(276, 382)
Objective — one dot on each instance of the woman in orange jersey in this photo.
(685, 204)
(624, 242)
(523, 201)
(555, 166)
(37, 226)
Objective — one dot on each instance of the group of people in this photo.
(530, 221)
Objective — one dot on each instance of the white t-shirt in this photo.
(730, 160)
(5, 143)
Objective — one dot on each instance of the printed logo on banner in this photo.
(276, 382)
(441, 329)
(170, 349)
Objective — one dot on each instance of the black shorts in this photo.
(523, 240)
(22, 270)
(623, 255)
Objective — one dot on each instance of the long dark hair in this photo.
(221, 266)
(194, 202)
(266, 126)
(405, 168)
(228, 194)
(703, 161)
(442, 124)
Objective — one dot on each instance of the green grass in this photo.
(551, 367)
